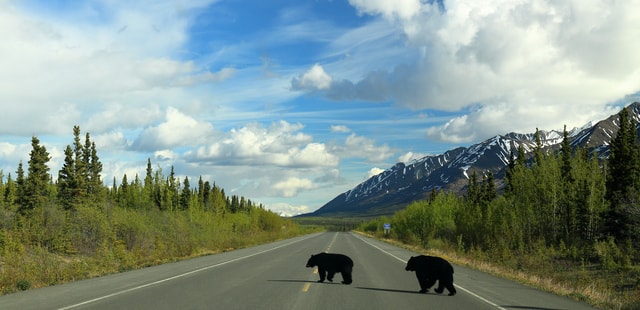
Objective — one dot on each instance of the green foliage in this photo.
(23, 285)
(78, 228)
(568, 208)
(422, 221)
(623, 182)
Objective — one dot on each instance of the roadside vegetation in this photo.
(566, 222)
(52, 232)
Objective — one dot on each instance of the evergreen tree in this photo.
(148, 187)
(489, 188)
(521, 159)
(206, 196)
(185, 197)
(67, 181)
(123, 192)
(173, 198)
(9, 194)
(537, 153)
(80, 165)
(95, 187)
(21, 190)
(566, 153)
(37, 182)
(567, 206)
(622, 180)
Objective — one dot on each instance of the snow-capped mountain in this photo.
(403, 183)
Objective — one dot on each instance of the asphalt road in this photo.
(273, 276)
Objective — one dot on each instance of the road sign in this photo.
(387, 228)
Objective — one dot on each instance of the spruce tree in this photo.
(566, 153)
(21, 190)
(67, 182)
(80, 165)
(622, 179)
(95, 187)
(9, 194)
(185, 197)
(37, 182)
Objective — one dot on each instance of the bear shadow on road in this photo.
(395, 291)
(307, 281)
(294, 281)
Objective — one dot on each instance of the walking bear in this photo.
(430, 269)
(330, 263)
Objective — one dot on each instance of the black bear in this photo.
(330, 263)
(430, 269)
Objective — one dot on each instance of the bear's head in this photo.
(313, 261)
(411, 264)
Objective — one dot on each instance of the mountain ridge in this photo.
(396, 187)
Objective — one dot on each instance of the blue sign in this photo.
(386, 226)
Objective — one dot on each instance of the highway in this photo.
(273, 276)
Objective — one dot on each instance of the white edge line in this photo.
(175, 277)
(456, 285)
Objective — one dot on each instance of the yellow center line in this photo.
(307, 285)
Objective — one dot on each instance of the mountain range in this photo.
(396, 187)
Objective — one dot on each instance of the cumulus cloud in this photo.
(281, 144)
(359, 146)
(291, 186)
(70, 62)
(314, 79)
(374, 171)
(410, 156)
(509, 60)
(177, 130)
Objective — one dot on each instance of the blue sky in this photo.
(290, 103)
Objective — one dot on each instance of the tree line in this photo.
(79, 183)
(54, 230)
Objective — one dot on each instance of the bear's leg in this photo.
(430, 282)
(346, 277)
(451, 289)
(441, 286)
(322, 274)
(446, 281)
(422, 279)
(330, 274)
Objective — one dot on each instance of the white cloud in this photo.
(374, 171)
(340, 128)
(70, 62)
(285, 209)
(178, 130)
(510, 59)
(314, 79)
(281, 144)
(410, 156)
(291, 186)
(114, 141)
(362, 147)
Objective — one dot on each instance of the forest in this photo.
(569, 216)
(56, 230)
